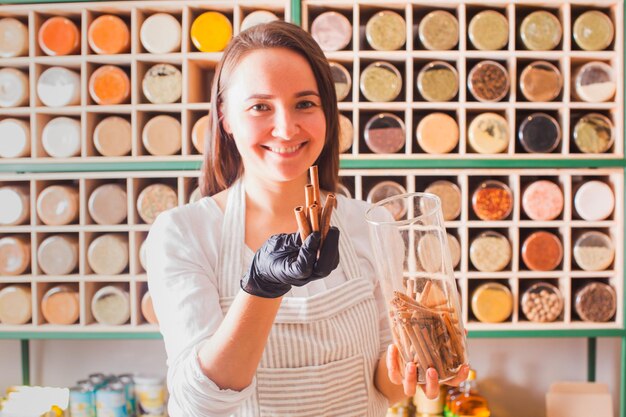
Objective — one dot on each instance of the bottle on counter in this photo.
(469, 403)
(403, 408)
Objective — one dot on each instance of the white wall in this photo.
(514, 374)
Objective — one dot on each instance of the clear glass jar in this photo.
(437, 133)
(594, 82)
(346, 133)
(596, 302)
(381, 82)
(541, 31)
(542, 251)
(14, 255)
(492, 200)
(543, 200)
(108, 204)
(386, 189)
(413, 260)
(455, 250)
(594, 200)
(594, 133)
(594, 251)
(593, 31)
(110, 305)
(385, 133)
(438, 81)
(490, 251)
(151, 396)
(332, 31)
(58, 254)
(341, 79)
(450, 195)
(58, 205)
(492, 302)
(539, 133)
(488, 81)
(541, 81)
(155, 199)
(15, 208)
(542, 302)
(61, 305)
(386, 31)
(439, 30)
(489, 30)
(488, 133)
(108, 254)
(15, 304)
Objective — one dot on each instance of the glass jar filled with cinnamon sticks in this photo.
(413, 261)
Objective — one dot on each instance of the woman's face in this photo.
(273, 110)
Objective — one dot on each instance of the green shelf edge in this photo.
(344, 164)
(474, 334)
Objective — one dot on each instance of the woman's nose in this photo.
(285, 125)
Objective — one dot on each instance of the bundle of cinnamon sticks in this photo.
(426, 331)
(314, 217)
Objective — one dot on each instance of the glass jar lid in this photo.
(386, 31)
(543, 200)
(385, 133)
(490, 251)
(541, 81)
(332, 31)
(595, 82)
(594, 200)
(488, 81)
(488, 133)
(492, 302)
(541, 31)
(542, 302)
(489, 30)
(61, 305)
(346, 133)
(594, 251)
(593, 31)
(341, 79)
(450, 195)
(438, 81)
(437, 133)
(593, 133)
(386, 189)
(542, 251)
(492, 200)
(439, 30)
(539, 133)
(381, 81)
(596, 302)
(111, 305)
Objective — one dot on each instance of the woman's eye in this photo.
(306, 104)
(260, 107)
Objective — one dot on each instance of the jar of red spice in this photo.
(492, 200)
(542, 251)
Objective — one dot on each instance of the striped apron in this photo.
(322, 350)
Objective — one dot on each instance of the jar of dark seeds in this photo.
(596, 302)
(488, 81)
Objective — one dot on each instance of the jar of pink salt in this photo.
(542, 200)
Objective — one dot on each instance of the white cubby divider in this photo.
(359, 182)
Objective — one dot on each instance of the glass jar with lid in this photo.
(492, 302)
(542, 302)
(346, 133)
(386, 31)
(438, 81)
(439, 30)
(437, 133)
(61, 305)
(492, 200)
(341, 79)
(450, 195)
(386, 189)
(593, 31)
(541, 31)
(381, 82)
(490, 251)
(489, 30)
(594, 133)
(539, 133)
(543, 200)
(594, 251)
(332, 31)
(488, 133)
(594, 82)
(385, 133)
(110, 305)
(542, 251)
(541, 81)
(596, 302)
(488, 81)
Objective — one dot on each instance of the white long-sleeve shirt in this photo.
(182, 254)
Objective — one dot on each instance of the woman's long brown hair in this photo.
(222, 164)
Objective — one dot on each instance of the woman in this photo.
(255, 322)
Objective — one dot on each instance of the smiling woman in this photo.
(245, 306)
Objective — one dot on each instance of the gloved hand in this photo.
(282, 262)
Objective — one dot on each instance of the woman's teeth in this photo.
(285, 150)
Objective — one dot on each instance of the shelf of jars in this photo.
(532, 249)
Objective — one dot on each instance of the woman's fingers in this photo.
(431, 388)
(393, 370)
(410, 379)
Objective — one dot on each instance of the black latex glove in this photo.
(282, 262)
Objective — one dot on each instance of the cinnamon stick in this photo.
(425, 292)
(433, 351)
(303, 224)
(327, 212)
(316, 184)
(314, 217)
(422, 361)
(309, 196)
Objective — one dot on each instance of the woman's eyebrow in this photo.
(269, 96)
